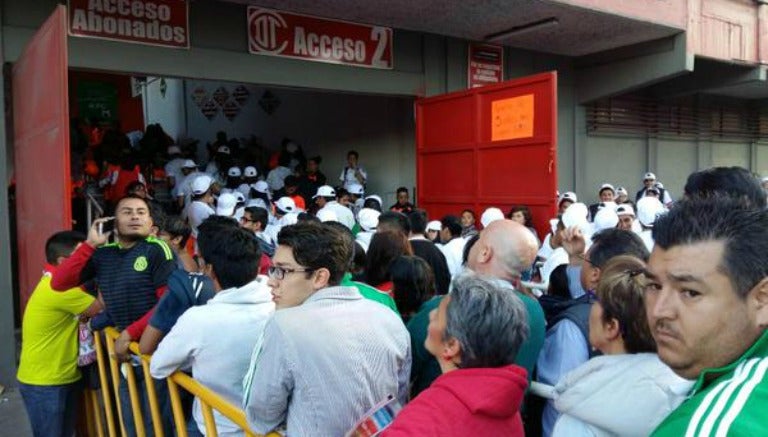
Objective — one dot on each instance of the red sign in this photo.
(156, 22)
(291, 35)
(486, 65)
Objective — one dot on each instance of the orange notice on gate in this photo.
(512, 118)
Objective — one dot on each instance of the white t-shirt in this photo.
(343, 214)
(198, 211)
(348, 176)
(454, 253)
(173, 170)
(276, 178)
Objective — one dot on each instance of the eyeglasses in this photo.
(586, 260)
(279, 273)
(247, 220)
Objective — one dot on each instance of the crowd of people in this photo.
(322, 312)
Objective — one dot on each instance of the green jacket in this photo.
(729, 401)
(369, 292)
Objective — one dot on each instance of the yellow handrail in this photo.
(208, 399)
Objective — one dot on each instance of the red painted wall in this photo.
(129, 109)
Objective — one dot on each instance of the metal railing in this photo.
(108, 366)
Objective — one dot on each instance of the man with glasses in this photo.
(328, 355)
(255, 219)
(566, 344)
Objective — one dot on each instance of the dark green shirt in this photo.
(369, 292)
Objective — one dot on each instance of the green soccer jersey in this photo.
(729, 401)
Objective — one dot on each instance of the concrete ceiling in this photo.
(579, 31)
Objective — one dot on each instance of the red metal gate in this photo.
(41, 146)
(490, 146)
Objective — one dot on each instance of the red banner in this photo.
(291, 35)
(486, 65)
(156, 22)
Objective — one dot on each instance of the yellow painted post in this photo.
(93, 403)
(154, 408)
(113, 368)
(100, 360)
(133, 391)
(210, 423)
(178, 412)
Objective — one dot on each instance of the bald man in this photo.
(504, 250)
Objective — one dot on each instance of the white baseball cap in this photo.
(226, 204)
(648, 208)
(376, 198)
(261, 187)
(607, 186)
(605, 218)
(189, 164)
(625, 209)
(250, 172)
(285, 204)
(325, 191)
(490, 215)
(326, 215)
(223, 149)
(356, 189)
(434, 225)
(368, 219)
(201, 184)
(620, 191)
(649, 176)
(568, 195)
(234, 172)
(576, 215)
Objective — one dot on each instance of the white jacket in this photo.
(216, 341)
(625, 395)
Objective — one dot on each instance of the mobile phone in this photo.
(106, 226)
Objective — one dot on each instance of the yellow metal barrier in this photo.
(98, 414)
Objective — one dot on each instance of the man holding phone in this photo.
(131, 275)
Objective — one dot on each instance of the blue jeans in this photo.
(163, 400)
(52, 409)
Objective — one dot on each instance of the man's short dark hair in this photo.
(730, 181)
(62, 244)
(291, 181)
(176, 227)
(234, 256)
(345, 234)
(353, 153)
(735, 221)
(402, 190)
(209, 229)
(372, 203)
(613, 242)
(317, 246)
(133, 196)
(467, 247)
(340, 192)
(453, 224)
(258, 214)
(418, 221)
(396, 221)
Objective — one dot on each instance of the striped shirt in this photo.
(128, 279)
(323, 364)
(727, 401)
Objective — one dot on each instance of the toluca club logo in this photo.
(298, 36)
(265, 26)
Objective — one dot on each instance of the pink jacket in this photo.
(478, 401)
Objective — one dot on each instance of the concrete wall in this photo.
(380, 128)
(165, 108)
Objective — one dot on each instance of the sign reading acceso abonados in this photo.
(284, 34)
(155, 22)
